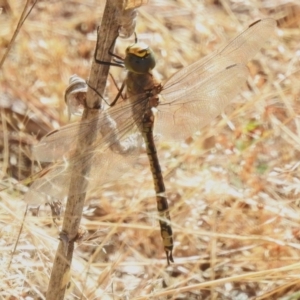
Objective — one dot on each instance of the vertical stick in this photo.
(60, 275)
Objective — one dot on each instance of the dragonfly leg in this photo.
(119, 95)
(119, 62)
(118, 59)
(92, 88)
(116, 85)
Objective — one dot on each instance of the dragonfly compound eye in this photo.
(139, 58)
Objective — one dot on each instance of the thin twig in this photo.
(61, 268)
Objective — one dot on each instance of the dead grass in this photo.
(234, 193)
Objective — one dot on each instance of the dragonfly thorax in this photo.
(139, 58)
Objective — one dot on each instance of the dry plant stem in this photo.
(60, 275)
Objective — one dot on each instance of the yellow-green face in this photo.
(139, 58)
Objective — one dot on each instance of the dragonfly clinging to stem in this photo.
(185, 103)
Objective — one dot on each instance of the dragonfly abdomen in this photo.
(162, 202)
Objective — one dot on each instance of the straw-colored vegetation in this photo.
(233, 192)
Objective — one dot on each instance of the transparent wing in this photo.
(190, 99)
(108, 164)
(112, 126)
(197, 92)
(238, 51)
(181, 118)
(112, 154)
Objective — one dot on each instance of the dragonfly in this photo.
(177, 109)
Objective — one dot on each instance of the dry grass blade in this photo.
(16, 244)
(22, 19)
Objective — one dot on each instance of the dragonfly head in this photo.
(139, 58)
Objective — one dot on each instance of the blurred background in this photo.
(233, 188)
